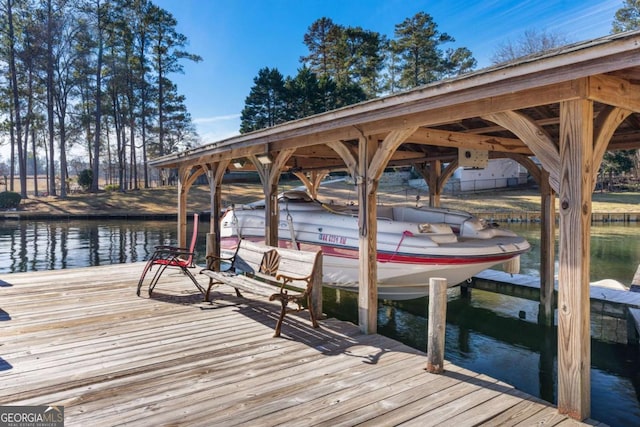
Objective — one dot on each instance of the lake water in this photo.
(485, 333)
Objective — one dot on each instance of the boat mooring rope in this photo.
(292, 232)
(405, 233)
(234, 222)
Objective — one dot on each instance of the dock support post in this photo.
(633, 325)
(437, 325)
(215, 175)
(574, 334)
(368, 234)
(546, 309)
(213, 252)
(465, 291)
(183, 191)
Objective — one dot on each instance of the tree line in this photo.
(93, 74)
(346, 65)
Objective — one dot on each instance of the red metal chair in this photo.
(172, 257)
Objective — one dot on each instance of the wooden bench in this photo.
(281, 274)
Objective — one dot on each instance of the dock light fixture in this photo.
(264, 158)
(238, 163)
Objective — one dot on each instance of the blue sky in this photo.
(236, 38)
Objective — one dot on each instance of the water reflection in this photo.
(615, 250)
(48, 245)
(53, 245)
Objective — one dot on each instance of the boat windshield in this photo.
(288, 197)
(295, 196)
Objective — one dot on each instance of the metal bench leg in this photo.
(284, 302)
(211, 283)
(312, 314)
(206, 296)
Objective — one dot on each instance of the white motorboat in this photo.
(414, 244)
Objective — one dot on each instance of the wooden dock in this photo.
(613, 302)
(82, 339)
(616, 303)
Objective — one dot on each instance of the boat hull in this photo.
(410, 251)
(396, 280)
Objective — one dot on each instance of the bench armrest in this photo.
(212, 259)
(215, 273)
(286, 279)
(220, 258)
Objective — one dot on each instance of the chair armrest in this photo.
(173, 257)
(172, 253)
(170, 248)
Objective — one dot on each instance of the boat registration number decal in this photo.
(332, 238)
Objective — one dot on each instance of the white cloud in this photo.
(589, 22)
(214, 136)
(215, 119)
(216, 128)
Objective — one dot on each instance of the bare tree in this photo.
(15, 98)
(50, 41)
(100, 12)
(531, 42)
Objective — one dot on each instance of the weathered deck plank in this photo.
(82, 339)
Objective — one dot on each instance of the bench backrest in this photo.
(252, 257)
(249, 256)
(296, 263)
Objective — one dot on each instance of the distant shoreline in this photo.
(512, 205)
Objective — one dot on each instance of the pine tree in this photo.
(627, 18)
(364, 59)
(303, 95)
(167, 50)
(322, 39)
(345, 54)
(266, 104)
(417, 44)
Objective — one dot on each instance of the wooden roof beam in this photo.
(534, 137)
(605, 125)
(450, 108)
(477, 142)
(490, 129)
(614, 91)
(386, 150)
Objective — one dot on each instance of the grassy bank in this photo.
(164, 200)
